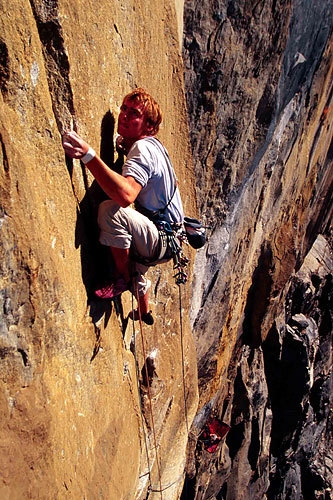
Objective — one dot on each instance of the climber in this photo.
(212, 434)
(148, 181)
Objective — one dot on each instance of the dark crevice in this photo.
(209, 288)
(189, 489)
(266, 107)
(235, 438)
(240, 415)
(4, 68)
(258, 298)
(312, 482)
(287, 397)
(254, 448)
(4, 155)
(24, 355)
(56, 62)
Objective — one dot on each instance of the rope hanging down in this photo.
(183, 357)
(140, 402)
(151, 488)
(150, 402)
(180, 262)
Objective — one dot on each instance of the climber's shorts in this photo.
(128, 228)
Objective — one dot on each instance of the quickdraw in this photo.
(179, 263)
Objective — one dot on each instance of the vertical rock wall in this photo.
(259, 91)
(71, 421)
(77, 419)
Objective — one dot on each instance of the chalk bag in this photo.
(195, 232)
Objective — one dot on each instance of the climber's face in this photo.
(132, 121)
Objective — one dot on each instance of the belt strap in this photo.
(163, 244)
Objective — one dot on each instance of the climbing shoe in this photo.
(146, 317)
(113, 290)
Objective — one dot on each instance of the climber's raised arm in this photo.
(123, 190)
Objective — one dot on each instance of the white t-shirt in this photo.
(149, 164)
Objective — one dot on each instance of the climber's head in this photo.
(140, 115)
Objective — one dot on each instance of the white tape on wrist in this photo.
(90, 154)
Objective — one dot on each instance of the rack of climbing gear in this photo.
(171, 236)
(179, 264)
(180, 260)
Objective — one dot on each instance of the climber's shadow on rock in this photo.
(96, 259)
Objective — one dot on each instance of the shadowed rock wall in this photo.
(77, 419)
(71, 421)
(259, 91)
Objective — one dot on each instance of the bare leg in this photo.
(142, 310)
(122, 261)
(143, 302)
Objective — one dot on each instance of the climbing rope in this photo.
(180, 478)
(179, 264)
(140, 402)
(182, 355)
(149, 397)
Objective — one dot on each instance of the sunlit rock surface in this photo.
(72, 425)
(249, 338)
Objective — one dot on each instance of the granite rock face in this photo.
(248, 340)
(258, 79)
(76, 417)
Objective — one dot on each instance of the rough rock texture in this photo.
(71, 422)
(259, 91)
(80, 416)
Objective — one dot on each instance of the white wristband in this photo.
(90, 154)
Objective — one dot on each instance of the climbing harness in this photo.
(171, 236)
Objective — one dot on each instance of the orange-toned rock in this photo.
(71, 423)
